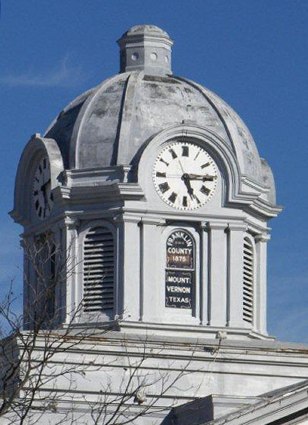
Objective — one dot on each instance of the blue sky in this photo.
(253, 53)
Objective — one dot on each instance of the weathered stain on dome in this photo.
(268, 181)
(158, 103)
(62, 128)
(242, 139)
(110, 123)
(154, 105)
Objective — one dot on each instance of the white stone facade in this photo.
(103, 203)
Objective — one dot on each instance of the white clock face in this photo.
(184, 175)
(42, 196)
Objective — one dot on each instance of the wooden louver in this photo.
(98, 270)
(248, 281)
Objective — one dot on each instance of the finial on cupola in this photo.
(146, 48)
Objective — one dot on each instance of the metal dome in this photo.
(109, 124)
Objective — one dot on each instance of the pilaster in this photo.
(29, 279)
(60, 260)
(128, 293)
(204, 275)
(217, 273)
(71, 246)
(261, 282)
(151, 289)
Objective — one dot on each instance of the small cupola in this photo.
(146, 48)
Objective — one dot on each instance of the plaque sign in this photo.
(180, 270)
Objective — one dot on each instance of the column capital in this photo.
(262, 237)
(126, 169)
(204, 225)
(71, 223)
(127, 218)
(217, 225)
(242, 227)
(153, 220)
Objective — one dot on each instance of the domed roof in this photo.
(145, 29)
(108, 124)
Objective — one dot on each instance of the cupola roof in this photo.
(145, 48)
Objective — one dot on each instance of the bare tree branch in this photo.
(40, 367)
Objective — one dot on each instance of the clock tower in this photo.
(146, 204)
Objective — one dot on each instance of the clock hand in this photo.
(172, 176)
(44, 190)
(186, 180)
(181, 167)
(204, 178)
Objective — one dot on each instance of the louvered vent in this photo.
(98, 269)
(248, 281)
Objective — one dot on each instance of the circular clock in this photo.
(184, 175)
(42, 196)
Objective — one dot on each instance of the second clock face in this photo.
(42, 196)
(184, 175)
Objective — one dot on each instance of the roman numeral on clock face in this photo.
(205, 165)
(185, 151)
(173, 154)
(205, 190)
(165, 162)
(164, 187)
(172, 197)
